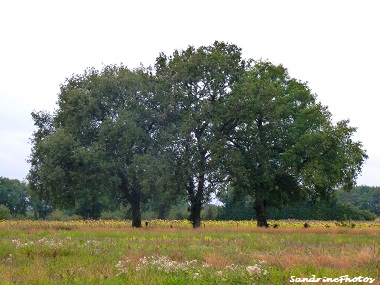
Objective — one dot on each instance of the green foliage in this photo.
(14, 195)
(179, 211)
(41, 208)
(209, 212)
(89, 156)
(324, 210)
(329, 210)
(203, 120)
(59, 215)
(283, 146)
(362, 197)
(118, 214)
(5, 213)
(193, 83)
(235, 209)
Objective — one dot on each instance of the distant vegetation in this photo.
(362, 197)
(17, 203)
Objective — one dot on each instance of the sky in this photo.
(333, 45)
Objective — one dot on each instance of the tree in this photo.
(14, 195)
(193, 83)
(204, 121)
(282, 145)
(5, 213)
(90, 155)
(362, 197)
(233, 208)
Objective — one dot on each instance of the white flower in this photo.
(196, 275)
(253, 269)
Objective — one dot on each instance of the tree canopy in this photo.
(284, 146)
(362, 197)
(201, 120)
(91, 153)
(195, 82)
(14, 195)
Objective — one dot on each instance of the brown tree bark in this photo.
(261, 216)
(196, 201)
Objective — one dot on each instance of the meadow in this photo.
(171, 252)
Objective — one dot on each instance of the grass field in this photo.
(171, 252)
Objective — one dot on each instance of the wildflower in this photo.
(120, 267)
(256, 269)
(232, 267)
(17, 242)
(196, 275)
(253, 269)
(9, 259)
(144, 260)
(119, 264)
(205, 265)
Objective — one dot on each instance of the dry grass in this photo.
(216, 260)
(356, 256)
(91, 252)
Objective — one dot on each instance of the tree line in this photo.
(201, 122)
(18, 202)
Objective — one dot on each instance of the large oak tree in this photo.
(283, 146)
(91, 154)
(194, 82)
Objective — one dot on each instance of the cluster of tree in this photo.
(330, 209)
(17, 202)
(362, 197)
(14, 195)
(200, 121)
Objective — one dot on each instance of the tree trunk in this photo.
(133, 197)
(195, 198)
(261, 217)
(136, 212)
(195, 214)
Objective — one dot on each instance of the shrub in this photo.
(58, 215)
(5, 213)
(116, 215)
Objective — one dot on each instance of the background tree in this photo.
(193, 83)
(5, 213)
(14, 194)
(164, 191)
(362, 197)
(306, 210)
(41, 208)
(284, 146)
(234, 208)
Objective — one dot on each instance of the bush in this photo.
(349, 212)
(5, 213)
(58, 215)
(115, 215)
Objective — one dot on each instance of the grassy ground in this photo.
(110, 252)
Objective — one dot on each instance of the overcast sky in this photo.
(333, 45)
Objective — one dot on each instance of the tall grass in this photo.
(79, 252)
